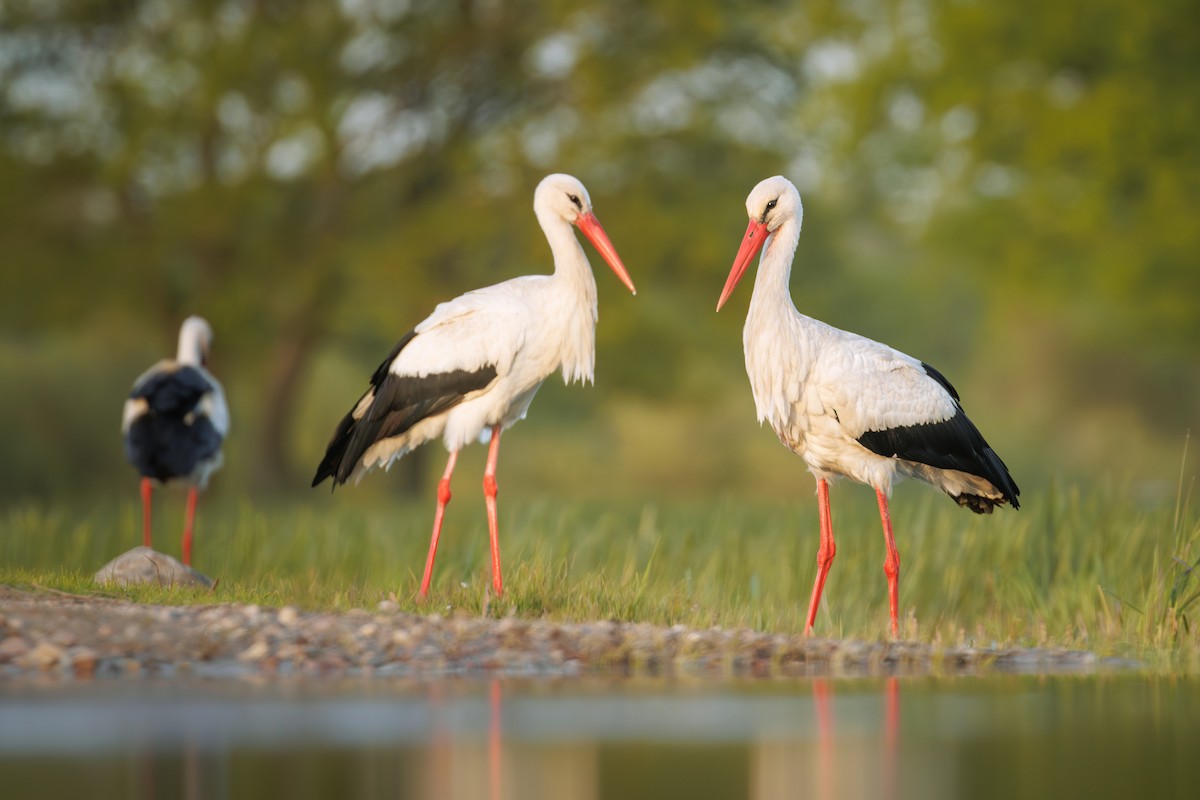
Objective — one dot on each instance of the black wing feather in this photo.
(169, 440)
(940, 378)
(954, 444)
(173, 393)
(399, 402)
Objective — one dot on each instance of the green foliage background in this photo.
(1010, 191)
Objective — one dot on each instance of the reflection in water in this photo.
(194, 773)
(437, 782)
(821, 764)
(802, 764)
(825, 786)
(466, 767)
(456, 765)
(576, 747)
(1003, 736)
(891, 736)
(494, 742)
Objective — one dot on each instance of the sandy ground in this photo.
(50, 634)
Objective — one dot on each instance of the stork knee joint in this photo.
(490, 488)
(444, 492)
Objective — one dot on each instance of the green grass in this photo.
(1089, 568)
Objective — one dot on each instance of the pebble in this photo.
(288, 616)
(225, 623)
(290, 652)
(255, 652)
(63, 638)
(44, 655)
(12, 648)
(83, 662)
(330, 662)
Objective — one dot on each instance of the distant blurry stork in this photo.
(174, 423)
(847, 405)
(476, 362)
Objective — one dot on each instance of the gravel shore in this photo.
(77, 638)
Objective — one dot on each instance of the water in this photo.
(1118, 735)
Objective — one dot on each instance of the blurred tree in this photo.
(1038, 161)
(264, 161)
(314, 171)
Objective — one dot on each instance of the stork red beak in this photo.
(595, 233)
(752, 242)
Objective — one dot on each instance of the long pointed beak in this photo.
(752, 242)
(595, 233)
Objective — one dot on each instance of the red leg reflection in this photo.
(494, 745)
(826, 788)
(438, 782)
(891, 737)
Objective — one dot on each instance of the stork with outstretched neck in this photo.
(849, 406)
(472, 367)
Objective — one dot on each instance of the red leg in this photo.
(187, 526)
(825, 552)
(891, 565)
(147, 492)
(443, 498)
(489, 495)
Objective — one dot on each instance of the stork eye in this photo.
(574, 198)
(771, 204)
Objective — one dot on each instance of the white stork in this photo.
(849, 406)
(175, 422)
(476, 362)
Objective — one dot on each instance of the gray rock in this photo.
(146, 565)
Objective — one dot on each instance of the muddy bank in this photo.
(70, 637)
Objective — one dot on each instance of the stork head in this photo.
(195, 341)
(769, 205)
(565, 197)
